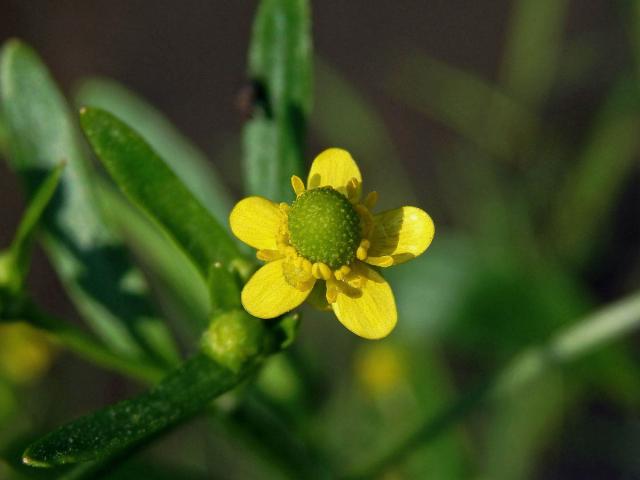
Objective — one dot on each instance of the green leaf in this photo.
(185, 159)
(88, 257)
(464, 103)
(594, 182)
(280, 69)
(534, 43)
(4, 135)
(592, 332)
(177, 398)
(345, 117)
(224, 288)
(180, 283)
(15, 262)
(150, 184)
(245, 342)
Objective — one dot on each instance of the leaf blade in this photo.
(186, 160)
(150, 184)
(88, 257)
(280, 69)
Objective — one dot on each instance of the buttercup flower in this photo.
(323, 246)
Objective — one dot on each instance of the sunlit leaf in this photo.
(184, 158)
(150, 184)
(88, 257)
(280, 65)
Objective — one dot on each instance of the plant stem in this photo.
(80, 343)
(594, 331)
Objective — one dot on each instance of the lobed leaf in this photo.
(280, 69)
(150, 184)
(88, 257)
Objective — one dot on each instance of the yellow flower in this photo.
(326, 242)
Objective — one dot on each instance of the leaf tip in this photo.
(32, 462)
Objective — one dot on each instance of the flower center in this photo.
(324, 227)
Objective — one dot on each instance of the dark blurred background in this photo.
(189, 59)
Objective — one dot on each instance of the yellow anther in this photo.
(371, 199)
(315, 271)
(290, 252)
(325, 271)
(298, 262)
(268, 255)
(298, 185)
(383, 261)
(338, 274)
(363, 249)
(345, 269)
(306, 266)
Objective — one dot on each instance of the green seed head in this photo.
(324, 227)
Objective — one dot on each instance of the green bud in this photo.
(324, 227)
(235, 339)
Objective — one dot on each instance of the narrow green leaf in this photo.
(168, 264)
(233, 348)
(592, 185)
(150, 184)
(22, 243)
(4, 135)
(224, 288)
(345, 117)
(177, 398)
(590, 333)
(88, 257)
(534, 43)
(464, 103)
(280, 69)
(185, 159)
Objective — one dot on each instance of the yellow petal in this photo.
(267, 294)
(402, 234)
(256, 221)
(372, 312)
(335, 168)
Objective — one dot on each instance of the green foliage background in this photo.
(505, 342)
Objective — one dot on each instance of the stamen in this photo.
(332, 293)
(371, 199)
(382, 261)
(321, 271)
(367, 219)
(362, 251)
(268, 255)
(298, 185)
(352, 189)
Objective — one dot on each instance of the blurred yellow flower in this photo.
(380, 368)
(328, 238)
(25, 352)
